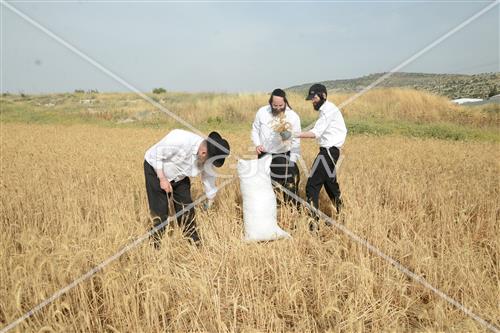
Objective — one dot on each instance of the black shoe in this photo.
(192, 235)
(338, 204)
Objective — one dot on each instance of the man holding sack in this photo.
(271, 134)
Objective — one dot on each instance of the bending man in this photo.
(167, 168)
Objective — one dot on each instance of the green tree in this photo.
(159, 91)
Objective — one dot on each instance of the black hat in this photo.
(316, 89)
(219, 147)
(278, 92)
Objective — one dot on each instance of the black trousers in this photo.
(286, 173)
(158, 202)
(324, 174)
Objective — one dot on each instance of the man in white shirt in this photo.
(330, 132)
(271, 131)
(167, 168)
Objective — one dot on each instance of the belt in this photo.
(173, 181)
(327, 148)
(274, 154)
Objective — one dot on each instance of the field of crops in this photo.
(73, 195)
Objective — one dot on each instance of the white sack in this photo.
(259, 200)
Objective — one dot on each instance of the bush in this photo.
(215, 120)
(493, 91)
(79, 91)
(159, 91)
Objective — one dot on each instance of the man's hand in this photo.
(285, 135)
(208, 204)
(165, 185)
(260, 149)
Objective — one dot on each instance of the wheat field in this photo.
(74, 195)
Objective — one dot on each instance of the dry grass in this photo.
(416, 106)
(216, 109)
(73, 195)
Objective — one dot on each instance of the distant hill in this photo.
(450, 85)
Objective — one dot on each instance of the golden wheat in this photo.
(74, 195)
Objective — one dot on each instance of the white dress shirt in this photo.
(176, 155)
(330, 128)
(264, 134)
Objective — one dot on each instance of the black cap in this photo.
(217, 146)
(316, 89)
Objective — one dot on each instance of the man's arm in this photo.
(256, 135)
(163, 153)
(160, 174)
(319, 128)
(208, 181)
(305, 135)
(164, 183)
(256, 131)
(295, 148)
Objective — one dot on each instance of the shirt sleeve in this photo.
(321, 124)
(295, 148)
(162, 154)
(256, 131)
(209, 184)
(167, 149)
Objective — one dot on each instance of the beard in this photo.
(318, 104)
(277, 111)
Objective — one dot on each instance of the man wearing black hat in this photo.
(330, 132)
(271, 134)
(167, 168)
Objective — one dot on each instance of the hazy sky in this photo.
(237, 46)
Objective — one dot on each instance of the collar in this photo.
(323, 107)
(196, 146)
